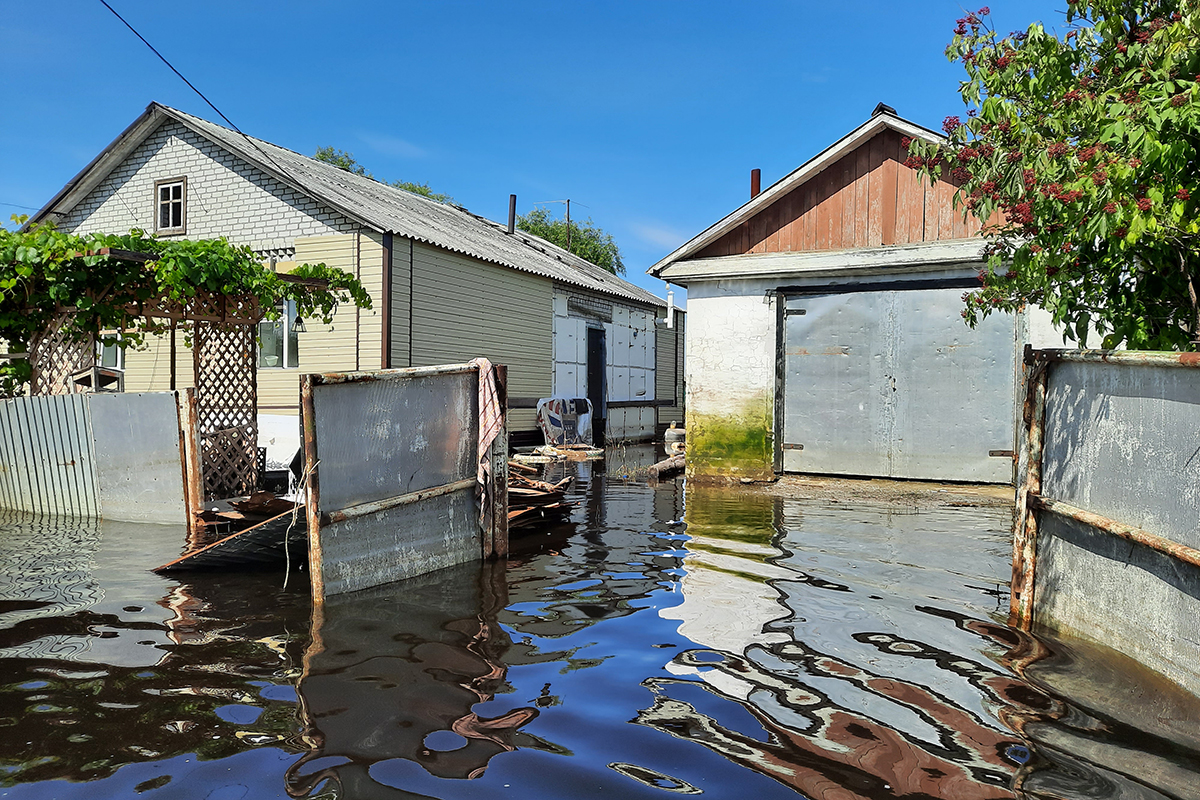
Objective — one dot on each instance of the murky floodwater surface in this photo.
(766, 648)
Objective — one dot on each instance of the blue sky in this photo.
(648, 115)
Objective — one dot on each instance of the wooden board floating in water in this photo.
(531, 502)
(259, 544)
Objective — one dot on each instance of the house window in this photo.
(171, 205)
(110, 355)
(278, 340)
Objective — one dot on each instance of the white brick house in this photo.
(446, 285)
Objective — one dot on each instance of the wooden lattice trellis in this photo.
(56, 357)
(225, 374)
(226, 407)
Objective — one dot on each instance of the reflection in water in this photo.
(771, 648)
(393, 673)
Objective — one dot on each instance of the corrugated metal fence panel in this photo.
(380, 439)
(1123, 442)
(46, 456)
(893, 384)
(138, 465)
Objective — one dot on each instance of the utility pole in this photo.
(568, 224)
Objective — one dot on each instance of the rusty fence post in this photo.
(193, 481)
(499, 523)
(309, 478)
(1025, 533)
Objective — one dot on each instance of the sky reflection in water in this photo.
(766, 648)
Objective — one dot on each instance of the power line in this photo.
(18, 205)
(211, 105)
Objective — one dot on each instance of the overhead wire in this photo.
(192, 86)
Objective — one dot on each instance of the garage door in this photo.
(894, 384)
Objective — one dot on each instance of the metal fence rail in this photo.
(1107, 536)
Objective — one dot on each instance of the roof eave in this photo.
(117, 149)
(805, 172)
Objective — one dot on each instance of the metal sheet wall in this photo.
(47, 461)
(1121, 441)
(93, 455)
(891, 383)
(138, 468)
(381, 439)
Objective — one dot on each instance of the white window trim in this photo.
(181, 229)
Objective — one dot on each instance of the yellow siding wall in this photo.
(148, 369)
(352, 341)
(464, 308)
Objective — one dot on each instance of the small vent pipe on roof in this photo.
(512, 213)
(755, 182)
(670, 319)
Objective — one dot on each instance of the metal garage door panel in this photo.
(954, 390)
(834, 385)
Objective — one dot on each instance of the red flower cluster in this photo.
(1142, 36)
(1056, 149)
(1135, 162)
(905, 142)
(1073, 95)
(989, 186)
(1183, 194)
(1022, 213)
(1179, 99)
(1099, 177)
(1051, 272)
(1002, 61)
(960, 174)
(1110, 208)
(1144, 203)
(951, 124)
(1014, 156)
(1087, 153)
(1120, 232)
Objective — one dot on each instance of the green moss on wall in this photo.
(735, 444)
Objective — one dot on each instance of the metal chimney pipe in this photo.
(755, 182)
(512, 213)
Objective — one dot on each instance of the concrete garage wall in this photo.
(730, 379)
(1122, 441)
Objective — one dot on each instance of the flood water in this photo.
(668, 641)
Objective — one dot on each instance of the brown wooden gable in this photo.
(868, 198)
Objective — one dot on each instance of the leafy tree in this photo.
(1084, 152)
(587, 240)
(44, 271)
(343, 160)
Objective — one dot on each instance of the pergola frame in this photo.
(224, 372)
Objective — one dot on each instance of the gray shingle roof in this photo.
(392, 210)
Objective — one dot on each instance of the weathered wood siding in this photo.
(352, 341)
(463, 308)
(868, 198)
(669, 369)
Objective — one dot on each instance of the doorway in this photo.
(597, 359)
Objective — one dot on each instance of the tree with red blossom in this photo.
(1088, 146)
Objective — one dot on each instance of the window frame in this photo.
(288, 318)
(181, 229)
